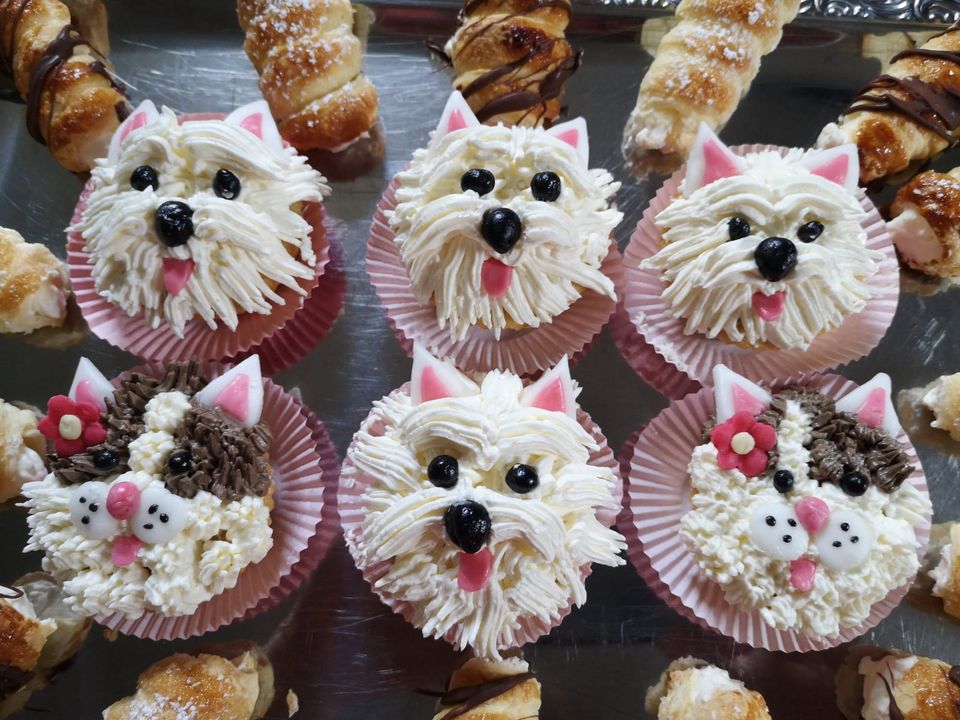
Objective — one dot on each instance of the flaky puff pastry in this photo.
(22, 449)
(942, 398)
(34, 285)
(925, 223)
(701, 70)
(512, 59)
(310, 63)
(946, 573)
(488, 690)
(909, 114)
(692, 689)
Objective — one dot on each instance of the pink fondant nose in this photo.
(123, 500)
(812, 513)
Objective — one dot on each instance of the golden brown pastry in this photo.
(512, 59)
(925, 224)
(310, 63)
(942, 398)
(909, 114)
(692, 689)
(944, 566)
(488, 690)
(74, 103)
(34, 285)
(22, 449)
(213, 686)
(701, 70)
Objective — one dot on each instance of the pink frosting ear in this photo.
(840, 165)
(90, 386)
(238, 392)
(734, 393)
(872, 405)
(456, 115)
(433, 379)
(710, 160)
(554, 391)
(256, 118)
(574, 133)
(145, 114)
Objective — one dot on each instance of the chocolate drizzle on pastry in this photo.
(465, 699)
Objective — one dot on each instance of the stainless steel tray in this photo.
(344, 654)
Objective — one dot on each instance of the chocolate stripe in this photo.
(466, 699)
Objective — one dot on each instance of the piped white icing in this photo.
(878, 676)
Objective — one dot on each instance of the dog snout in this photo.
(813, 513)
(174, 223)
(501, 228)
(775, 258)
(468, 525)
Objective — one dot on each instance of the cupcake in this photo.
(764, 259)
(475, 506)
(800, 514)
(197, 228)
(497, 236)
(162, 492)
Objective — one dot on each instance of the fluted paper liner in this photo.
(351, 511)
(657, 495)
(303, 463)
(524, 352)
(696, 355)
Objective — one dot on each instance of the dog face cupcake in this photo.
(503, 227)
(764, 249)
(160, 490)
(799, 508)
(478, 503)
(199, 219)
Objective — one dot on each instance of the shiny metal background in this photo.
(344, 654)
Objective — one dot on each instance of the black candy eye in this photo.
(522, 478)
(105, 459)
(179, 462)
(854, 483)
(738, 228)
(479, 180)
(546, 186)
(443, 471)
(783, 481)
(810, 232)
(144, 177)
(226, 185)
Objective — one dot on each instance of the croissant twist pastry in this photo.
(701, 70)
(907, 115)
(74, 103)
(34, 285)
(512, 59)
(22, 449)
(692, 689)
(491, 690)
(310, 63)
(925, 224)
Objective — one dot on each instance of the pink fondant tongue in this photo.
(475, 570)
(176, 273)
(125, 549)
(769, 307)
(802, 573)
(495, 277)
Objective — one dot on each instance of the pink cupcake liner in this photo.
(696, 355)
(524, 352)
(645, 361)
(351, 511)
(304, 466)
(658, 496)
(132, 334)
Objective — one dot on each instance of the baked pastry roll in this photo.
(907, 115)
(942, 398)
(34, 285)
(22, 448)
(310, 62)
(692, 689)
(74, 102)
(491, 690)
(942, 567)
(925, 224)
(701, 70)
(512, 59)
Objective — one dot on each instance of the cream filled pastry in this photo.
(945, 574)
(799, 506)
(942, 398)
(503, 227)
(22, 448)
(200, 219)
(763, 249)
(692, 689)
(480, 502)
(160, 489)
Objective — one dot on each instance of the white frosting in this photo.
(712, 280)
(876, 697)
(539, 540)
(243, 249)
(437, 227)
(717, 530)
(915, 239)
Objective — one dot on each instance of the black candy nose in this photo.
(468, 525)
(174, 223)
(775, 258)
(501, 228)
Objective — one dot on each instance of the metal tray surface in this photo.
(343, 653)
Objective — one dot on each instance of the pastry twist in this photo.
(907, 115)
(310, 63)
(74, 103)
(701, 70)
(512, 59)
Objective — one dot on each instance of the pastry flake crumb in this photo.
(293, 703)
